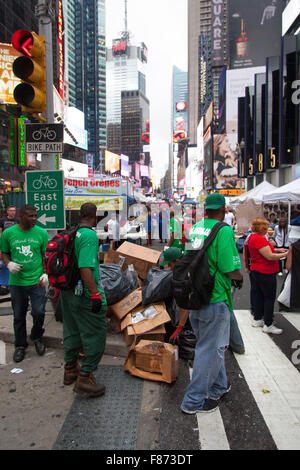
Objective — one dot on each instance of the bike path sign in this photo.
(44, 138)
(45, 191)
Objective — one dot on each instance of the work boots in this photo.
(87, 385)
(71, 373)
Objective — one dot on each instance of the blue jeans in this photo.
(19, 300)
(235, 340)
(211, 325)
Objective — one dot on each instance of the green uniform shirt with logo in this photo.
(87, 254)
(176, 228)
(222, 257)
(25, 247)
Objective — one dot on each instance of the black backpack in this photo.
(192, 282)
(60, 260)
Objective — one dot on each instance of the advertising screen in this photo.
(112, 162)
(124, 165)
(208, 164)
(225, 163)
(251, 25)
(144, 170)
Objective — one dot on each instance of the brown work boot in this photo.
(86, 384)
(71, 373)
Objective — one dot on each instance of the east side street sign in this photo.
(45, 191)
(44, 138)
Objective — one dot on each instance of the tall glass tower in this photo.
(85, 68)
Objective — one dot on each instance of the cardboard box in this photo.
(150, 323)
(141, 257)
(158, 334)
(111, 257)
(153, 360)
(126, 305)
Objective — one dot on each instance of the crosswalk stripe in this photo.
(212, 435)
(293, 318)
(273, 381)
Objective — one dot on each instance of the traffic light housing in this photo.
(30, 67)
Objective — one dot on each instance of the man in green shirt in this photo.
(22, 247)
(84, 315)
(211, 323)
(176, 232)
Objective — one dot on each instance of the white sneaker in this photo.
(256, 323)
(286, 271)
(280, 274)
(272, 329)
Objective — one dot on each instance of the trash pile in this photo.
(141, 307)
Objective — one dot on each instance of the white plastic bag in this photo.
(285, 296)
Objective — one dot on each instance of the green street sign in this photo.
(45, 191)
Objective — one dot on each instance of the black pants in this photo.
(264, 295)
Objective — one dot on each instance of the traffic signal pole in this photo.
(44, 14)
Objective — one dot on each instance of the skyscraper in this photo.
(85, 70)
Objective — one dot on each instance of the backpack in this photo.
(60, 260)
(192, 283)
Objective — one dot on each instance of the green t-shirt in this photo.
(176, 228)
(25, 247)
(222, 256)
(87, 254)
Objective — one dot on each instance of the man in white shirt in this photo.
(229, 218)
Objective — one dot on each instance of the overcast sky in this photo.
(162, 26)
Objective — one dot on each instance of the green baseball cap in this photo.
(171, 254)
(214, 201)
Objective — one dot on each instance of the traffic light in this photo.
(30, 67)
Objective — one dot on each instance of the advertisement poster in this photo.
(225, 163)
(8, 81)
(252, 24)
(73, 203)
(124, 166)
(93, 187)
(208, 164)
(112, 162)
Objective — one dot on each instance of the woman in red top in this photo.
(264, 267)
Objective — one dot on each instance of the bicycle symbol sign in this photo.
(44, 182)
(44, 138)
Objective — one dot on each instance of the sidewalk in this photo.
(115, 343)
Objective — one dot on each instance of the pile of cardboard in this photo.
(149, 357)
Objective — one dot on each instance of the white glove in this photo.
(43, 280)
(14, 267)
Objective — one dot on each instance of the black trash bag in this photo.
(114, 282)
(187, 342)
(132, 277)
(157, 286)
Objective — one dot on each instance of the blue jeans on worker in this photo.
(235, 340)
(211, 325)
(19, 298)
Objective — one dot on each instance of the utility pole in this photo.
(44, 12)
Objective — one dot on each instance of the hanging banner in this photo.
(217, 41)
(73, 203)
(91, 187)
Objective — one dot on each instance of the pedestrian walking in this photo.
(293, 266)
(177, 233)
(281, 237)
(9, 220)
(23, 246)
(264, 267)
(211, 323)
(84, 311)
(229, 218)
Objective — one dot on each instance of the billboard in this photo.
(8, 81)
(124, 166)
(208, 164)
(112, 162)
(217, 36)
(254, 31)
(205, 74)
(144, 171)
(225, 163)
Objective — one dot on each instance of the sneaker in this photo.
(272, 330)
(280, 274)
(223, 394)
(257, 323)
(208, 406)
(286, 271)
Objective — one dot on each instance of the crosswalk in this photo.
(274, 383)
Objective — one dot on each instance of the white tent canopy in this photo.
(256, 194)
(288, 192)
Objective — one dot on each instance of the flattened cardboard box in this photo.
(158, 334)
(141, 257)
(153, 360)
(148, 324)
(126, 305)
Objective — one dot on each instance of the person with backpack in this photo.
(23, 246)
(211, 319)
(84, 310)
